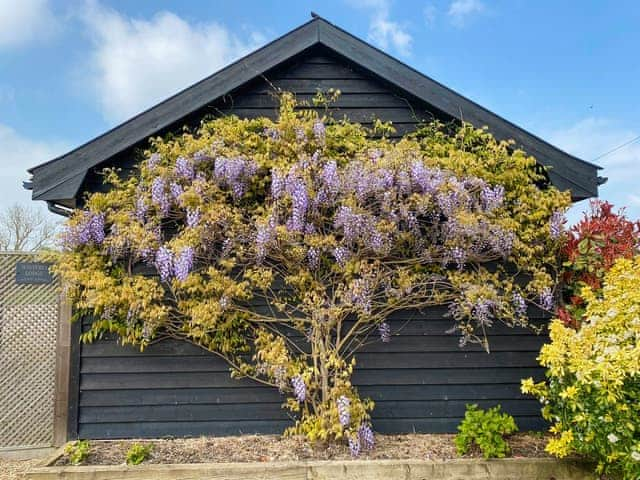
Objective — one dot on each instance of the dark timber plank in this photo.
(387, 376)
(263, 394)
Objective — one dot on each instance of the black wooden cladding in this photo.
(421, 381)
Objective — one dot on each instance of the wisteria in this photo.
(492, 197)
(342, 255)
(556, 223)
(141, 209)
(153, 161)
(519, 305)
(277, 184)
(366, 436)
(183, 263)
(235, 173)
(297, 189)
(483, 312)
(313, 257)
(299, 388)
(330, 230)
(547, 301)
(385, 332)
(193, 217)
(89, 229)
(354, 446)
(344, 413)
(164, 263)
(159, 195)
(184, 168)
(176, 190)
(319, 131)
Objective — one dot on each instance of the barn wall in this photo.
(421, 381)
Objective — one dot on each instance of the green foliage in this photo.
(77, 451)
(592, 391)
(330, 225)
(486, 429)
(138, 453)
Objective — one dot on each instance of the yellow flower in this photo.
(561, 447)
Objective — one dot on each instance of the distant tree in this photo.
(24, 228)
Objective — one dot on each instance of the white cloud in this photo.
(591, 137)
(461, 10)
(136, 63)
(24, 21)
(383, 31)
(17, 153)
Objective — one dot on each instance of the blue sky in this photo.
(567, 71)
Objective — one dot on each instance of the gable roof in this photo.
(60, 179)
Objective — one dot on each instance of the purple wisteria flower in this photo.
(153, 161)
(502, 241)
(492, 197)
(176, 190)
(141, 209)
(556, 223)
(313, 257)
(164, 263)
(426, 180)
(482, 311)
(159, 195)
(299, 388)
(235, 173)
(459, 256)
(366, 436)
(341, 255)
(89, 229)
(319, 131)
(296, 187)
(183, 263)
(193, 217)
(547, 301)
(272, 133)
(201, 156)
(354, 446)
(519, 305)
(385, 332)
(344, 414)
(360, 294)
(266, 233)
(277, 184)
(300, 134)
(184, 168)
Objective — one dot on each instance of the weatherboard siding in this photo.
(420, 381)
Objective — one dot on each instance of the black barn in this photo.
(420, 381)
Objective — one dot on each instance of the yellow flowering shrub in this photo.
(592, 391)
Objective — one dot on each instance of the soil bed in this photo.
(269, 448)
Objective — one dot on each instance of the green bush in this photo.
(77, 451)
(487, 429)
(138, 453)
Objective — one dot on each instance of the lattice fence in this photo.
(28, 329)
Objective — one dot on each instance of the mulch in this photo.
(15, 469)
(271, 448)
